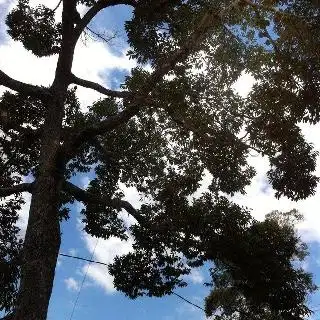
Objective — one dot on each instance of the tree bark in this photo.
(42, 239)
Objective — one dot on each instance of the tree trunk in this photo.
(42, 240)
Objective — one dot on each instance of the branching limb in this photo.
(57, 6)
(95, 9)
(163, 68)
(108, 155)
(23, 187)
(85, 196)
(135, 100)
(100, 36)
(24, 88)
(68, 43)
(97, 87)
(266, 33)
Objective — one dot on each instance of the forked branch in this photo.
(140, 98)
(86, 197)
(21, 87)
(95, 9)
(23, 187)
(99, 88)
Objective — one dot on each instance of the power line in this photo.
(84, 278)
(83, 259)
(105, 264)
(186, 300)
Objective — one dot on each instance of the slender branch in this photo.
(108, 155)
(21, 87)
(57, 6)
(97, 87)
(85, 196)
(23, 187)
(266, 32)
(95, 9)
(100, 36)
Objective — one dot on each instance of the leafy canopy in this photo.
(191, 122)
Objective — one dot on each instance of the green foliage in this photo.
(191, 123)
(35, 28)
(10, 248)
(256, 279)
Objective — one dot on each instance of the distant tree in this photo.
(254, 278)
(159, 134)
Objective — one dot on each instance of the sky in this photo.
(108, 64)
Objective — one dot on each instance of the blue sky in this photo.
(108, 65)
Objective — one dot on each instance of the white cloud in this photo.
(195, 276)
(95, 61)
(84, 181)
(72, 284)
(105, 251)
(24, 214)
(260, 196)
(73, 251)
(92, 61)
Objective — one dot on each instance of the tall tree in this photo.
(159, 134)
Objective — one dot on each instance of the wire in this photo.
(85, 275)
(186, 300)
(105, 264)
(84, 259)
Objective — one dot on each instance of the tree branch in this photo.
(100, 36)
(97, 87)
(68, 43)
(23, 187)
(57, 6)
(141, 97)
(136, 99)
(95, 9)
(24, 88)
(85, 196)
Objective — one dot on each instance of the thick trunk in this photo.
(41, 249)
(42, 240)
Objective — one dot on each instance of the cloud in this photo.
(24, 215)
(73, 251)
(104, 251)
(84, 181)
(195, 277)
(93, 61)
(260, 196)
(72, 284)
